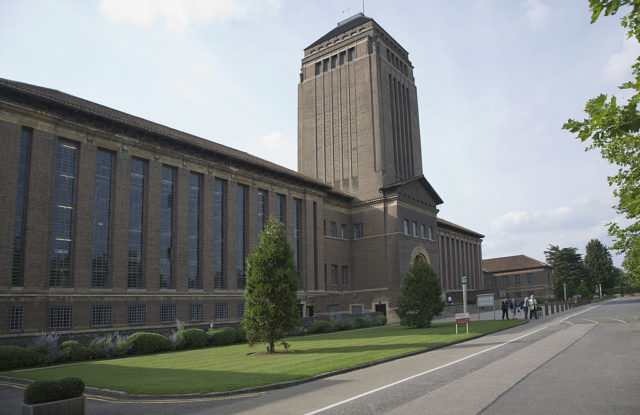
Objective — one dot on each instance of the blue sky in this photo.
(496, 80)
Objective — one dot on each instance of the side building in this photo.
(517, 277)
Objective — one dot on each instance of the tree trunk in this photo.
(272, 347)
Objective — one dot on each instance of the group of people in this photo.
(528, 306)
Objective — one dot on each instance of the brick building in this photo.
(517, 277)
(119, 222)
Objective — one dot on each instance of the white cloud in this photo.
(274, 141)
(537, 13)
(179, 14)
(618, 67)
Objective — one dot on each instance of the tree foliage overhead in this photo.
(568, 267)
(271, 301)
(599, 265)
(420, 299)
(614, 129)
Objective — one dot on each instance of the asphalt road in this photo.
(585, 360)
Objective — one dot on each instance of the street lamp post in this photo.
(564, 284)
(464, 294)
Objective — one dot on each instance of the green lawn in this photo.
(227, 368)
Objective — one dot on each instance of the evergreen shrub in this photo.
(143, 343)
(221, 337)
(191, 339)
(73, 351)
(340, 325)
(16, 357)
(241, 335)
(42, 391)
(320, 326)
(380, 320)
(362, 322)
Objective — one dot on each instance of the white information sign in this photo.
(485, 300)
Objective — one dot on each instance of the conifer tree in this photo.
(271, 301)
(420, 299)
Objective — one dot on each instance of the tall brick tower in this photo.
(358, 126)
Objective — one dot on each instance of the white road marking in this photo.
(353, 398)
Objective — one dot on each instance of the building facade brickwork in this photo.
(358, 213)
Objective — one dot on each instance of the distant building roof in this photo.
(447, 224)
(343, 26)
(511, 263)
(50, 96)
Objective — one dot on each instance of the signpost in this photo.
(486, 300)
(462, 318)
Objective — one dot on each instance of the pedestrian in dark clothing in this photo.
(505, 309)
(525, 307)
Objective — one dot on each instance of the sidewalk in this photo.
(448, 314)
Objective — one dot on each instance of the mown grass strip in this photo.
(233, 367)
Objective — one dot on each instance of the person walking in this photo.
(505, 308)
(525, 307)
(514, 308)
(532, 307)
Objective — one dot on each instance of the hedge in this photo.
(191, 339)
(42, 391)
(144, 343)
(14, 356)
(220, 337)
(74, 351)
(320, 326)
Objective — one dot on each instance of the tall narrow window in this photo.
(62, 222)
(262, 209)
(166, 227)
(193, 266)
(16, 319)
(241, 235)
(219, 197)
(345, 275)
(333, 229)
(17, 268)
(358, 232)
(351, 53)
(101, 219)
(297, 240)
(334, 274)
(280, 207)
(136, 222)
